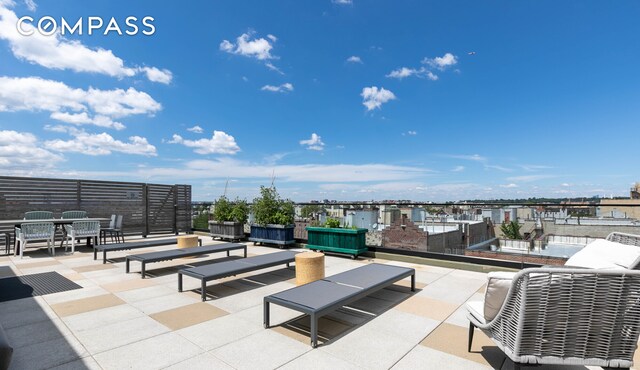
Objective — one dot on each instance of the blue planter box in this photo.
(272, 234)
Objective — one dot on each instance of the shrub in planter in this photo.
(273, 218)
(332, 238)
(229, 219)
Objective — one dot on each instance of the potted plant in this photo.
(229, 219)
(273, 218)
(333, 238)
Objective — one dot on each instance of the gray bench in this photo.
(230, 268)
(104, 248)
(321, 297)
(6, 351)
(150, 257)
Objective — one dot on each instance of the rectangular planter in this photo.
(272, 234)
(226, 230)
(348, 241)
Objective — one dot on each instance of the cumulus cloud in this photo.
(442, 62)
(196, 129)
(258, 48)
(31, 5)
(509, 186)
(354, 59)
(57, 52)
(458, 169)
(373, 98)
(220, 143)
(342, 2)
(314, 143)
(74, 105)
(22, 150)
(285, 87)
(405, 72)
(98, 144)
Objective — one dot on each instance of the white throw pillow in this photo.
(498, 285)
(606, 254)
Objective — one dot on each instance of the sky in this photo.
(343, 99)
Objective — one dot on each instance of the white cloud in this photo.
(412, 133)
(442, 62)
(404, 72)
(220, 143)
(196, 129)
(342, 2)
(31, 5)
(529, 178)
(21, 150)
(158, 75)
(99, 144)
(496, 167)
(373, 98)
(285, 87)
(458, 169)
(273, 68)
(354, 59)
(272, 37)
(258, 48)
(57, 52)
(314, 143)
(509, 186)
(74, 105)
(473, 157)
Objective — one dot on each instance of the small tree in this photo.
(269, 208)
(511, 230)
(332, 223)
(236, 211)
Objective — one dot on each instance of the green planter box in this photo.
(348, 241)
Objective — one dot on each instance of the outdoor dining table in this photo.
(56, 221)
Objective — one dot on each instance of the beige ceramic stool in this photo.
(309, 267)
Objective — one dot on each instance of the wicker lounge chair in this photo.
(565, 316)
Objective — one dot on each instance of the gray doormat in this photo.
(33, 285)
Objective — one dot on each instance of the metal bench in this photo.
(321, 297)
(230, 268)
(104, 248)
(150, 257)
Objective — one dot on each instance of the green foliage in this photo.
(332, 223)
(310, 210)
(511, 230)
(236, 211)
(269, 208)
(201, 221)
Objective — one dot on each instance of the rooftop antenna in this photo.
(273, 177)
(226, 185)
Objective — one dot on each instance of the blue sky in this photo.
(349, 100)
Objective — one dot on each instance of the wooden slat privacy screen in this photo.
(147, 208)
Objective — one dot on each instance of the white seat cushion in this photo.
(606, 254)
(498, 285)
(476, 309)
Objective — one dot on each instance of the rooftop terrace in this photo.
(118, 320)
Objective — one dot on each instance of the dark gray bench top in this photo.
(184, 252)
(320, 297)
(227, 268)
(104, 248)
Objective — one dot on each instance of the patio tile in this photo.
(204, 361)
(140, 294)
(427, 307)
(104, 338)
(101, 317)
(45, 355)
(241, 354)
(459, 317)
(420, 356)
(369, 348)
(85, 363)
(319, 360)
(24, 312)
(86, 304)
(451, 289)
(452, 339)
(32, 265)
(41, 331)
(129, 284)
(247, 299)
(153, 353)
(189, 315)
(164, 303)
(408, 326)
(299, 329)
(94, 267)
(221, 331)
(91, 291)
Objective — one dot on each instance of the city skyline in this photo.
(345, 100)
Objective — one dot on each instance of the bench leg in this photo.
(266, 315)
(104, 256)
(126, 269)
(471, 329)
(143, 269)
(245, 251)
(413, 282)
(179, 282)
(287, 264)
(314, 331)
(95, 254)
(204, 290)
(200, 242)
(228, 254)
